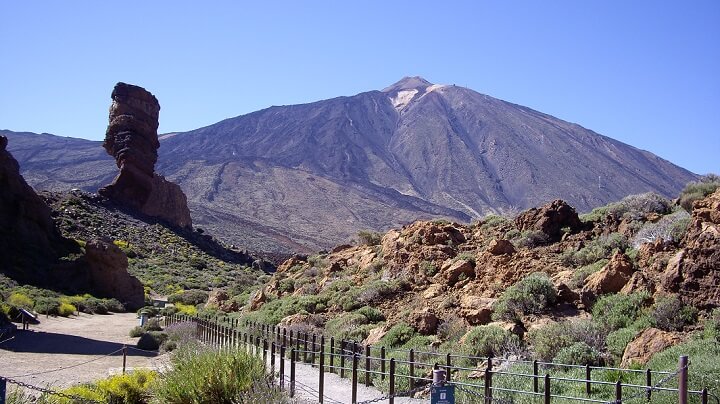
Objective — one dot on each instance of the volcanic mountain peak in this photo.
(408, 83)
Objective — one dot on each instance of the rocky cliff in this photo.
(131, 138)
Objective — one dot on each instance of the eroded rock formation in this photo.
(549, 219)
(131, 138)
(107, 271)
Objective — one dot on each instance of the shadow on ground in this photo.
(53, 343)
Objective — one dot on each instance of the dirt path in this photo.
(34, 356)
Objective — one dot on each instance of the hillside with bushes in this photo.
(547, 284)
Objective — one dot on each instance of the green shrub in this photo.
(488, 340)
(596, 250)
(618, 311)
(189, 297)
(136, 331)
(372, 314)
(532, 238)
(369, 237)
(704, 371)
(186, 309)
(711, 328)
(618, 340)
(578, 353)
(428, 268)
(398, 335)
(151, 340)
(670, 314)
(47, 305)
(547, 341)
(129, 388)
(66, 309)
(698, 190)
(153, 324)
(204, 375)
(20, 300)
(345, 326)
(532, 295)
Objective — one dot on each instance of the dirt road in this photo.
(35, 356)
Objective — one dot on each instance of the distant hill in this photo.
(305, 177)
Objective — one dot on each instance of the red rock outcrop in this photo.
(107, 272)
(648, 343)
(131, 138)
(610, 279)
(24, 217)
(694, 272)
(549, 219)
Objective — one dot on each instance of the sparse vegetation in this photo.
(532, 295)
(697, 190)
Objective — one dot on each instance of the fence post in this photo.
(704, 396)
(272, 357)
(265, 351)
(342, 358)
(284, 336)
(305, 347)
(391, 390)
(124, 351)
(648, 382)
(354, 378)
(3, 390)
(332, 352)
(411, 367)
(488, 385)
(618, 391)
(321, 380)
(282, 367)
(292, 372)
(368, 350)
(535, 378)
(382, 363)
(547, 388)
(588, 385)
(314, 348)
(683, 380)
(448, 366)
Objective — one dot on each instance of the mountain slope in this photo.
(309, 176)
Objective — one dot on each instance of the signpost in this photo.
(441, 393)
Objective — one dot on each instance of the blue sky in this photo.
(644, 72)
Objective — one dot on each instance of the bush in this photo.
(582, 273)
(20, 300)
(204, 375)
(698, 190)
(398, 335)
(670, 314)
(136, 331)
(66, 309)
(618, 340)
(47, 305)
(489, 340)
(578, 353)
(151, 341)
(705, 363)
(711, 329)
(182, 333)
(547, 341)
(129, 388)
(532, 295)
(346, 326)
(189, 297)
(669, 228)
(596, 250)
(153, 324)
(186, 309)
(532, 238)
(369, 237)
(618, 311)
(372, 314)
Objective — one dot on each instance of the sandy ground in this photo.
(35, 356)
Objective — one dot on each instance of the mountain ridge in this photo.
(317, 173)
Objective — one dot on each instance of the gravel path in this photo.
(337, 390)
(35, 356)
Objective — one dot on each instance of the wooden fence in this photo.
(413, 368)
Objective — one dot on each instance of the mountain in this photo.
(304, 177)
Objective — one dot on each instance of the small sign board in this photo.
(442, 395)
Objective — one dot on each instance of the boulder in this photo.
(452, 270)
(610, 279)
(476, 310)
(375, 335)
(424, 321)
(500, 247)
(258, 299)
(549, 219)
(131, 139)
(108, 276)
(648, 343)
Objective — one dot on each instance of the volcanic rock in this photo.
(648, 343)
(107, 271)
(131, 138)
(610, 279)
(424, 321)
(499, 247)
(549, 219)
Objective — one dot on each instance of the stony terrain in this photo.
(306, 177)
